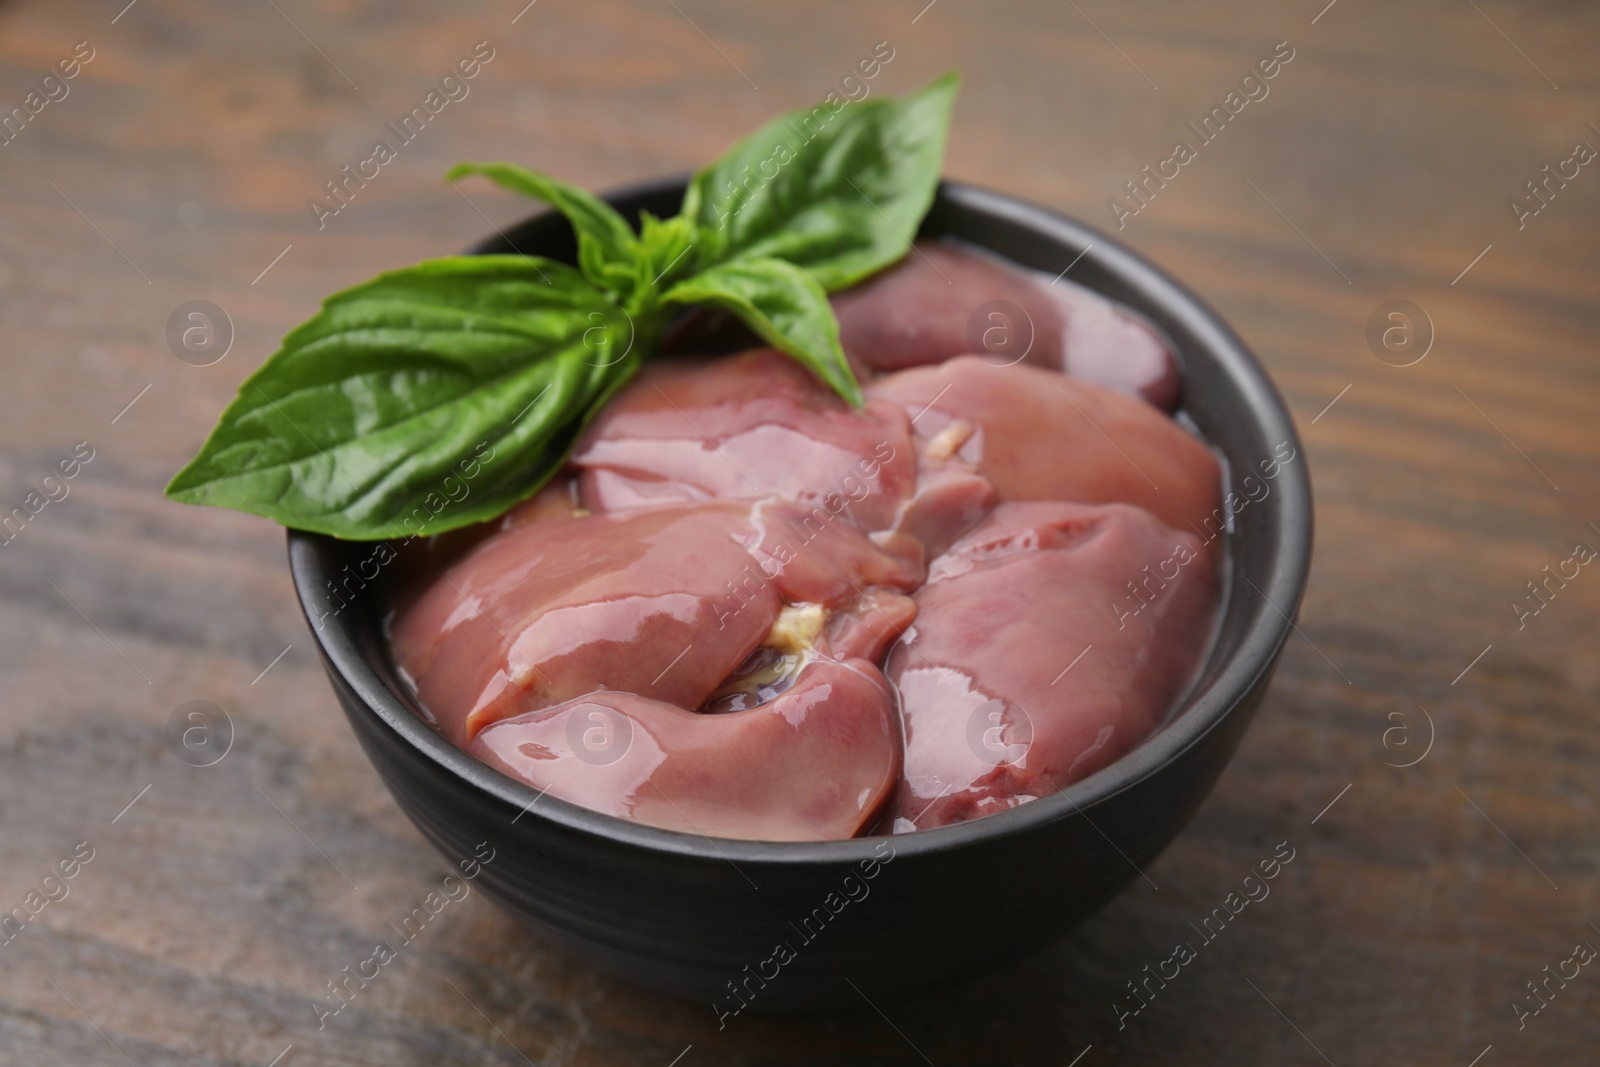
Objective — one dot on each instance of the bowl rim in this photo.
(1204, 709)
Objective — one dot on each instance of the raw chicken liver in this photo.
(686, 627)
(943, 301)
(812, 764)
(663, 603)
(747, 426)
(998, 707)
(1038, 435)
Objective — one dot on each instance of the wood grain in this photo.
(1380, 164)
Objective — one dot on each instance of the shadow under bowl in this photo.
(815, 925)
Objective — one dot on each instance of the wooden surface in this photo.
(1380, 164)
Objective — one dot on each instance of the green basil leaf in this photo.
(666, 253)
(838, 189)
(607, 247)
(785, 306)
(443, 394)
(428, 398)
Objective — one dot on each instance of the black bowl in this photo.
(793, 925)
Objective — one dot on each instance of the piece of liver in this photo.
(813, 764)
(742, 427)
(998, 706)
(663, 603)
(1039, 435)
(944, 300)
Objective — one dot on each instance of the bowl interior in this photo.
(1227, 396)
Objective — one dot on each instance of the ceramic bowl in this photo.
(750, 926)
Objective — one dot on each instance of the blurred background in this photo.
(1428, 749)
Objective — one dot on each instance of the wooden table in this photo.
(1379, 166)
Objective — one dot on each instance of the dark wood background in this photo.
(1378, 168)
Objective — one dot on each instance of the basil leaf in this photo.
(428, 398)
(838, 189)
(607, 248)
(666, 253)
(443, 394)
(785, 306)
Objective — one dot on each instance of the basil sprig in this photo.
(442, 394)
